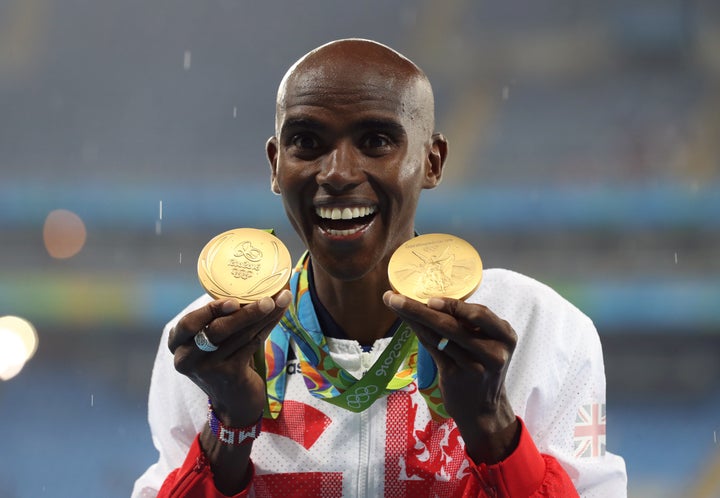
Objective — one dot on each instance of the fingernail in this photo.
(435, 303)
(266, 304)
(283, 298)
(230, 306)
(394, 300)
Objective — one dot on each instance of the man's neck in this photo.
(356, 306)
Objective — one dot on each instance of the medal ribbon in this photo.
(402, 361)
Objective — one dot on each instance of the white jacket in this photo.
(555, 383)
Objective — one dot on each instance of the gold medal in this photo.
(435, 265)
(246, 264)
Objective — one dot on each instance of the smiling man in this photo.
(368, 392)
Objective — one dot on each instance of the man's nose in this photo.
(341, 168)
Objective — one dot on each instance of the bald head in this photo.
(358, 62)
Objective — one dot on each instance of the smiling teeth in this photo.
(344, 213)
(342, 233)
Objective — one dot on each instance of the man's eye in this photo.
(305, 142)
(375, 142)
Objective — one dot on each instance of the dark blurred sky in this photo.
(125, 93)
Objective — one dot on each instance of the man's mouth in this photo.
(344, 221)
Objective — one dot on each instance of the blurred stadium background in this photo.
(585, 152)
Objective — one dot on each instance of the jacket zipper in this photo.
(363, 470)
(364, 458)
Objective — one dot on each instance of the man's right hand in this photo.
(227, 375)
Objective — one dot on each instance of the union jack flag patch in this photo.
(589, 437)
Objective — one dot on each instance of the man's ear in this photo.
(435, 161)
(271, 149)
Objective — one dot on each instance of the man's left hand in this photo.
(471, 368)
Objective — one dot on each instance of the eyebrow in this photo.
(388, 125)
(303, 123)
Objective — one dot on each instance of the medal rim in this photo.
(212, 283)
(402, 251)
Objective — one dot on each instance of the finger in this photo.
(490, 339)
(222, 319)
(416, 312)
(430, 327)
(443, 349)
(466, 320)
(468, 339)
(241, 333)
(252, 336)
(478, 355)
(196, 320)
(249, 316)
(477, 317)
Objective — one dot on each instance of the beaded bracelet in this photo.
(234, 436)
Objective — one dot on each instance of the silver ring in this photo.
(203, 343)
(443, 344)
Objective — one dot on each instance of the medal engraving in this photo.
(435, 265)
(245, 263)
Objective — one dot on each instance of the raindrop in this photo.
(180, 259)
(675, 258)
(160, 215)
(187, 59)
(92, 400)
(234, 112)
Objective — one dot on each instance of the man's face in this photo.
(350, 159)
